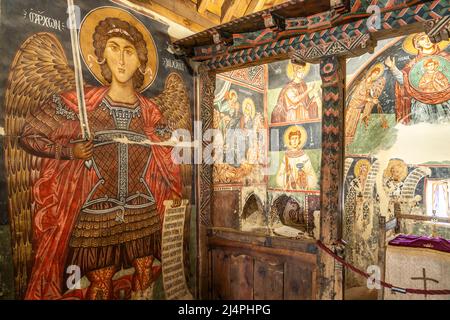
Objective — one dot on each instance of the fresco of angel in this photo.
(107, 216)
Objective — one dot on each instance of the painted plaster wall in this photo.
(397, 150)
(27, 18)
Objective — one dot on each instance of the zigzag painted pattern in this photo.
(313, 42)
(331, 73)
(207, 87)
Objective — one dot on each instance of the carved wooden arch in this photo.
(329, 47)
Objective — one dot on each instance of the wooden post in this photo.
(332, 72)
(438, 29)
(205, 93)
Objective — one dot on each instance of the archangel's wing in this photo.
(175, 107)
(39, 70)
(174, 103)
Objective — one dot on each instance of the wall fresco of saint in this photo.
(280, 164)
(397, 154)
(295, 109)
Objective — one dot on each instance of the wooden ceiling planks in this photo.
(199, 15)
(255, 21)
(232, 9)
(182, 12)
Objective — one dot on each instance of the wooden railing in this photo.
(422, 218)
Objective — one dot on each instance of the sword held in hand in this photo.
(82, 112)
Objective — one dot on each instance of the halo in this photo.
(290, 69)
(431, 60)
(232, 91)
(396, 162)
(87, 29)
(377, 65)
(303, 138)
(359, 164)
(408, 44)
(252, 104)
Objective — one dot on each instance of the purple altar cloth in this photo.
(439, 244)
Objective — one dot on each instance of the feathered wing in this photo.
(175, 106)
(174, 103)
(39, 70)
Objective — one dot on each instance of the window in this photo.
(438, 197)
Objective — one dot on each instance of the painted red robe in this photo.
(302, 105)
(64, 185)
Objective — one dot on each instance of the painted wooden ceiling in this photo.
(198, 15)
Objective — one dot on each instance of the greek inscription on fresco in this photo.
(39, 17)
(173, 64)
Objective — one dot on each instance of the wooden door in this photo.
(244, 266)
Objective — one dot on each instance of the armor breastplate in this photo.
(120, 159)
(120, 207)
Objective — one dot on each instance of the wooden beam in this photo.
(423, 218)
(182, 12)
(268, 4)
(181, 27)
(205, 84)
(227, 10)
(255, 6)
(202, 6)
(277, 2)
(188, 9)
(189, 24)
(293, 256)
(241, 8)
(232, 9)
(332, 72)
